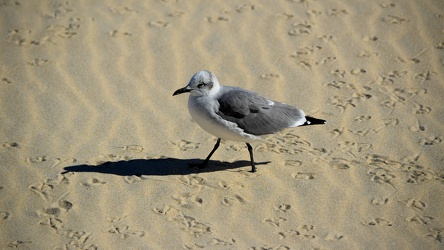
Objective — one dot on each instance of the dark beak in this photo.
(181, 91)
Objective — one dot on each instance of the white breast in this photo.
(204, 114)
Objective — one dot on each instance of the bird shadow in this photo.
(158, 167)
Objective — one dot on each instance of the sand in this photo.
(94, 149)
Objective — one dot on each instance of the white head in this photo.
(202, 83)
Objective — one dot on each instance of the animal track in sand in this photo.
(58, 9)
(368, 54)
(229, 201)
(340, 163)
(394, 19)
(6, 80)
(285, 16)
(116, 33)
(38, 62)
(77, 239)
(36, 159)
(4, 215)
(134, 148)
(431, 140)
(436, 234)
(304, 232)
(370, 38)
(187, 223)
(303, 176)
(338, 72)
(244, 7)
(269, 76)
(336, 12)
(216, 19)
(92, 182)
(353, 147)
(282, 207)
(188, 200)
(387, 5)
(304, 28)
(420, 219)
(417, 127)
(122, 230)
(191, 180)
(381, 175)
(275, 221)
(176, 13)
(267, 247)
(415, 204)
(10, 145)
(122, 10)
(230, 185)
(219, 242)
(19, 244)
(158, 24)
(185, 145)
(305, 51)
(293, 163)
(333, 236)
(379, 201)
(378, 222)
(52, 187)
(339, 85)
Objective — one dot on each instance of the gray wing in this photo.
(255, 114)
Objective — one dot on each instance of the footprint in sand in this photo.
(333, 237)
(4, 215)
(10, 145)
(19, 244)
(304, 28)
(158, 24)
(378, 222)
(275, 221)
(304, 232)
(188, 200)
(185, 222)
(244, 7)
(216, 19)
(431, 140)
(283, 207)
(229, 201)
(420, 219)
(36, 159)
(220, 242)
(303, 176)
(185, 145)
(336, 12)
(416, 204)
(436, 234)
(38, 62)
(92, 182)
(269, 76)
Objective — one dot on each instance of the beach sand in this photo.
(94, 149)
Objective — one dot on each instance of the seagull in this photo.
(233, 113)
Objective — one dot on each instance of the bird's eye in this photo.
(200, 85)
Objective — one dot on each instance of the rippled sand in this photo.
(94, 150)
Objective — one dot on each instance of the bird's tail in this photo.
(313, 121)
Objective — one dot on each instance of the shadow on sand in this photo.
(163, 166)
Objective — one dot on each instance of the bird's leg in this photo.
(250, 149)
(205, 162)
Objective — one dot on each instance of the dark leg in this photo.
(205, 162)
(250, 149)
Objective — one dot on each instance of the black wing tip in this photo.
(313, 121)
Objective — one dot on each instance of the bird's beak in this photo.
(182, 90)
